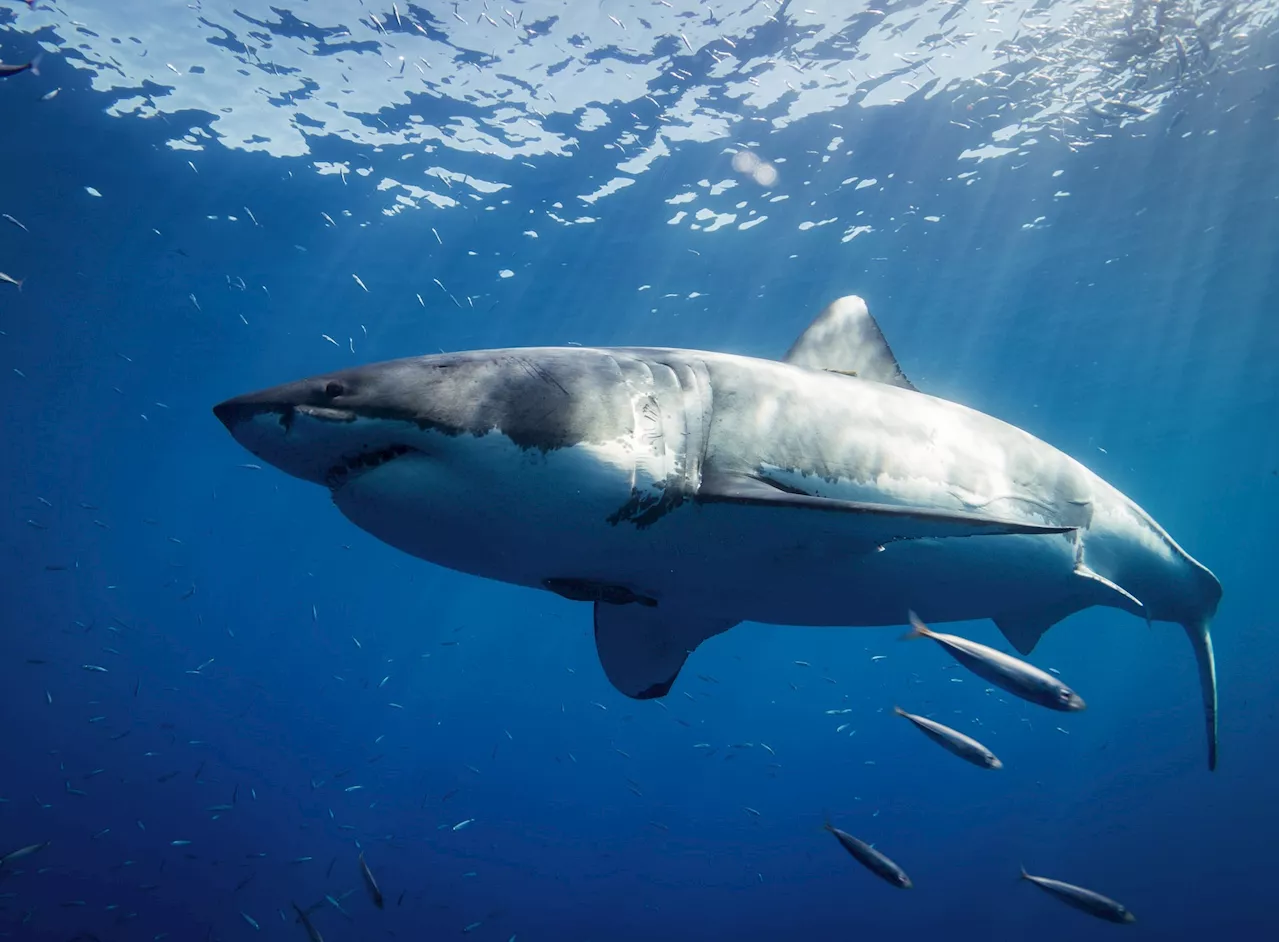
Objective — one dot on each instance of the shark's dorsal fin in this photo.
(642, 647)
(846, 339)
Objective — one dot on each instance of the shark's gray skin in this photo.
(682, 492)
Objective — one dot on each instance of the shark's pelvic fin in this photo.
(1107, 592)
(1024, 627)
(1102, 590)
(1202, 644)
(642, 648)
(845, 338)
(870, 524)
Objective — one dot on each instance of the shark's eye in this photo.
(333, 389)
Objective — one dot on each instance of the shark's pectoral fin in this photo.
(845, 338)
(642, 648)
(872, 524)
(1202, 644)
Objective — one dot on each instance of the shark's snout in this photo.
(232, 412)
(309, 429)
(262, 423)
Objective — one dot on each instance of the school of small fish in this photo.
(1024, 681)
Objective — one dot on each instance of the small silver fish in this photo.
(312, 932)
(370, 883)
(1003, 670)
(22, 852)
(871, 858)
(33, 67)
(1095, 904)
(953, 741)
(9, 280)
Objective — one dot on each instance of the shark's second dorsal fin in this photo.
(845, 338)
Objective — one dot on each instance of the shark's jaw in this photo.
(351, 467)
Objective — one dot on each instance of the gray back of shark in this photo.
(683, 491)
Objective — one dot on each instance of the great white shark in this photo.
(682, 492)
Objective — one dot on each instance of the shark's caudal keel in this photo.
(682, 492)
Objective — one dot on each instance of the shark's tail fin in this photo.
(1202, 644)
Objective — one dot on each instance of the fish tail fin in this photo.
(35, 63)
(918, 628)
(1024, 874)
(1202, 644)
(899, 710)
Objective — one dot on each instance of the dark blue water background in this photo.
(1138, 317)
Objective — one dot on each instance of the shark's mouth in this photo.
(354, 465)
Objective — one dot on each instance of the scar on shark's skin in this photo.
(680, 492)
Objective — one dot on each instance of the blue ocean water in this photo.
(280, 691)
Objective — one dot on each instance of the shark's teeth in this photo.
(338, 474)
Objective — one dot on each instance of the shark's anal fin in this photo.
(874, 524)
(845, 338)
(1202, 644)
(642, 648)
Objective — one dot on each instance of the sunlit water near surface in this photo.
(1061, 214)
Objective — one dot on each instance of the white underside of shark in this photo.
(699, 490)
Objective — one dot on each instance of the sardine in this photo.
(871, 858)
(1003, 670)
(370, 883)
(33, 67)
(22, 852)
(953, 741)
(312, 932)
(1095, 904)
